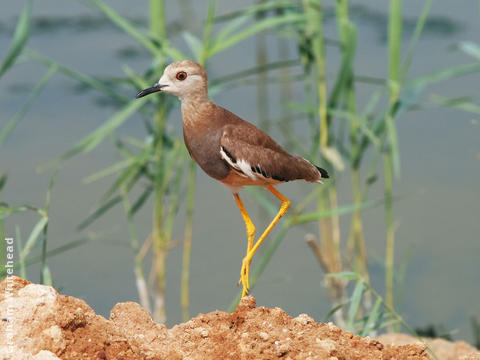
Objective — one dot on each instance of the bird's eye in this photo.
(181, 75)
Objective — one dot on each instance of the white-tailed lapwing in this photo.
(230, 149)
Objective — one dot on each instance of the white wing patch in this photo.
(246, 169)
(230, 160)
(242, 167)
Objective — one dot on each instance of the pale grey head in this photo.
(185, 79)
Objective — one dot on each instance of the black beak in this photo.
(154, 88)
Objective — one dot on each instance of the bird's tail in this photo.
(323, 172)
(311, 172)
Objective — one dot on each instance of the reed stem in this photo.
(389, 253)
(328, 227)
(286, 91)
(394, 56)
(262, 79)
(187, 242)
(160, 248)
(140, 282)
(356, 242)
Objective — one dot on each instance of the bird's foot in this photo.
(247, 270)
(244, 276)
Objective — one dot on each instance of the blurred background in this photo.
(80, 67)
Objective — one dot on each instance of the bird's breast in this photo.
(203, 144)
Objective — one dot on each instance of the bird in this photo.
(232, 150)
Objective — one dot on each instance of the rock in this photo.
(7, 353)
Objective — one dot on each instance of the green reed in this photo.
(342, 132)
(391, 157)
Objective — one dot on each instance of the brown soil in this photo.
(38, 323)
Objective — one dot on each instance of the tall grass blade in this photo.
(258, 8)
(207, 33)
(130, 174)
(262, 200)
(416, 36)
(44, 268)
(3, 181)
(341, 210)
(470, 48)
(218, 82)
(141, 200)
(109, 170)
(89, 142)
(6, 210)
(355, 304)
(34, 235)
(345, 275)
(194, 44)
(125, 25)
(82, 78)
(99, 212)
(421, 82)
(57, 251)
(21, 260)
(461, 103)
(288, 19)
(372, 319)
(46, 276)
(20, 37)
(332, 312)
(20, 114)
(230, 28)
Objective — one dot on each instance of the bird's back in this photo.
(227, 147)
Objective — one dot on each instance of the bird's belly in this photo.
(235, 179)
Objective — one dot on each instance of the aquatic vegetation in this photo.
(351, 138)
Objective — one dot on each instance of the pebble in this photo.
(304, 319)
(263, 335)
(327, 344)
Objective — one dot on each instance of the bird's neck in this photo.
(198, 97)
(195, 110)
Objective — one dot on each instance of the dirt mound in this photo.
(442, 348)
(38, 323)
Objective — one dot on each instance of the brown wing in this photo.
(251, 152)
(241, 130)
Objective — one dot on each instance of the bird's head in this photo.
(185, 79)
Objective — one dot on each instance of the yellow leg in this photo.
(250, 236)
(244, 273)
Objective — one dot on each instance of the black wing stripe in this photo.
(230, 156)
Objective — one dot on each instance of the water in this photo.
(437, 217)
